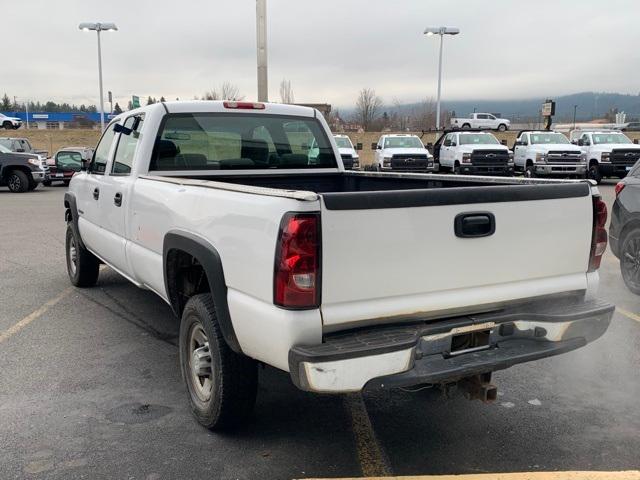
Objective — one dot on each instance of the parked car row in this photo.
(23, 168)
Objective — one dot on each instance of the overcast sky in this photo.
(329, 49)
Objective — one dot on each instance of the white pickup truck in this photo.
(481, 121)
(608, 153)
(401, 152)
(269, 256)
(541, 153)
(475, 153)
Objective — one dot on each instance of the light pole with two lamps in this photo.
(99, 27)
(442, 31)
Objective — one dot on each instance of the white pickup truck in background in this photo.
(481, 121)
(541, 153)
(270, 256)
(475, 153)
(608, 153)
(349, 153)
(401, 153)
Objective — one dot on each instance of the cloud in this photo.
(329, 50)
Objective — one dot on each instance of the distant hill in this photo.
(590, 105)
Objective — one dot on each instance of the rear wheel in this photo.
(17, 181)
(466, 126)
(82, 266)
(630, 260)
(222, 384)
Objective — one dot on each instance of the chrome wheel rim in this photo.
(200, 369)
(14, 182)
(630, 262)
(73, 256)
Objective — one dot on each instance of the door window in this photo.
(101, 155)
(126, 149)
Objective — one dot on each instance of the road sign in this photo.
(548, 108)
(135, 101)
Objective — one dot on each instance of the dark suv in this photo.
(21, 171)
(624, 231)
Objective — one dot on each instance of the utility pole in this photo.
(261, 36)
(575, 108)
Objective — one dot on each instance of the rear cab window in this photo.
(227, 141)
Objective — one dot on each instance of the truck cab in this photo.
(608, 153)
(21, 172)
(476, 153)
(541, 153)
(401, 153)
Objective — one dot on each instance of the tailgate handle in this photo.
(475, 224)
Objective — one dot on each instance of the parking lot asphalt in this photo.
(90, 388)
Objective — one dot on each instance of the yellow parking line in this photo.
(370, 455)
(33, 316)
(628, 314)
(573, 475)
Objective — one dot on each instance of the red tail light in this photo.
(297, 267)
(244, 105)
(619, 188)
(599, 236)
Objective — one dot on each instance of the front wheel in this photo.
(7, 126)
(18, 182)
(456, 169)
(630, 260)
(530, 171)
(222, 384)
(594, 172)
(82, 266)
(502, 127)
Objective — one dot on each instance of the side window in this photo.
(69, 161)
(482, 116)
(126, 149)
(101, 155)
(585, 139)
(491, 117)
(523, 139)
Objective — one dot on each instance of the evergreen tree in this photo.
(5, 104)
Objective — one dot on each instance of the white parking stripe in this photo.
(33, 316)
(572, 475)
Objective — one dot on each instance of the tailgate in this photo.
(388, 255)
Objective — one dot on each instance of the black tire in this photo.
(228, 399)
(32, 184)
(630, 260)
(82, 266)
(47, 183)
(466, 126)
(456, 169)
(7, 126)
(594, 172)
(530, 171)
(502, 127)
(18, 181)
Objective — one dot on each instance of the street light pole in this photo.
(99, 27)
(442, 31)
(100, 77)
(575, 108)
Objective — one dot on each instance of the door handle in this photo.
(475, 224)
(96, 193)
(117, 199)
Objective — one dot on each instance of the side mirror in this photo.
(359, 146)
(83, 166)
(430, 146)
(519, 143)
(374, 146)
(453, 144)
(635, 140)
(122, 129)
(447, 143)
(580, 142)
